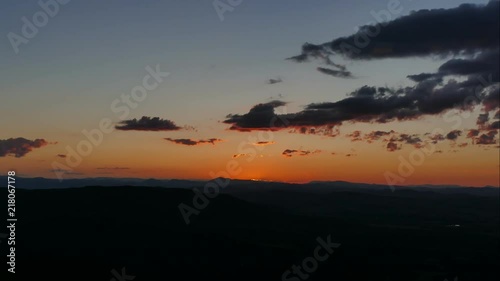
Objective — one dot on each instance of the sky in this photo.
(245, 96)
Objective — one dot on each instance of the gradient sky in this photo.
(91, 52)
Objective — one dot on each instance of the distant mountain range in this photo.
(243, 185)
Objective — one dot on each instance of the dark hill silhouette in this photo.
(84, 233)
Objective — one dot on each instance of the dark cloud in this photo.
(469, 32)
(147, 124)
(294, 152)
(355, 136)
(19, 147)
(483, 119)
(453, 135)
(376, 135)
(335, 73)
(467, 28)
(312, 51)
(408, 139)
(367, 104)
(61, 155)
(421, 77)
(494, 126)
(488, 138)
(263, 143)
(318, 53)
(191, 142)
(437, 138)
(484, 64)
(260, 117)
(392, 146)
(273, 81)
(473, 133)
(327, 130)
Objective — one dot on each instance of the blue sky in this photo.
(65, 78)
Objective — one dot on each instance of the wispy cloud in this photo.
(191, 142)
(294, 152)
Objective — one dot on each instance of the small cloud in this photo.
(19, 147)
(376, 135)
(335, 73)
(293, 152)
(473, 133)
(355, 136)
(437, 138)
(488, 138)
(240, 155)
(273, 81)
(392, 146)
(263, 143)
(147, 124)
(483, 119)
(453, 135)
(191, 142)
(61, 155)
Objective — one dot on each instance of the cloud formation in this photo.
(263, 143)
(371, 104)
(273, 81)
(376, 135)
(464, 29)
(392, 146)
(468, 33)
(260, 117)
(191, 142)
(453, 135)
(293, 152)
(487, 138)
(335, 73)
(19, 147)
(147, 124)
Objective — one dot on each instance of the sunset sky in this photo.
(245, 93)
